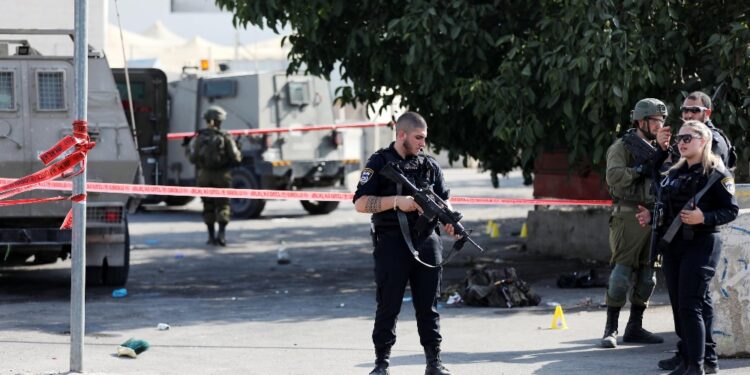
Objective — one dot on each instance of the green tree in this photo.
(503, 80)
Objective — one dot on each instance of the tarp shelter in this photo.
(174, 52)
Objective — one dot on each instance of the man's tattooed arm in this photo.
(373, 204)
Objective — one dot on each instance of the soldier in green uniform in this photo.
(214, 152)
(630, 174)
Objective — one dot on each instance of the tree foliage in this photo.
(503, 80)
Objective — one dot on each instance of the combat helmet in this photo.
(648, 107)
(216, 113)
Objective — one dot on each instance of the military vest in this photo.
(641, 191)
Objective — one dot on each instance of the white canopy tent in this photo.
(160, 32)
(173, 52)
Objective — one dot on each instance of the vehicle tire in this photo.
(319, 207)
(245, 208)
(118, 276)
(104, 274)
(94, 275)
(175, 200)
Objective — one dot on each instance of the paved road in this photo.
(235, 311)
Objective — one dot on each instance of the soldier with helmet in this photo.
(214, 152)
(631, 171)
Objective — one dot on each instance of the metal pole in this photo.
(78, 256)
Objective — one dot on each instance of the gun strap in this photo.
(677, 222)
(403, 223)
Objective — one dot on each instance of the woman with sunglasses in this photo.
(689, 260)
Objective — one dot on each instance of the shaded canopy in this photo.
(172, 52)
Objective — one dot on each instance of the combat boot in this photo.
(609, 340)
(681, 368)
(710, 368)
(670, 363)
(211, 234)
(220, 239)
(634, 331)
(694, 369)
(434, 364)
(382, 360)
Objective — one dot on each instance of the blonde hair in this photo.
(708, 159)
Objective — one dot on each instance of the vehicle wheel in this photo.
(174, 200)
(319, 207)
(118, 276)
(105, 274)
(94, 275)
(245, 208)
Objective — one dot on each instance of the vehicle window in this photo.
(7, 96)
(299, 93)
(50, 91)
(220, 88)
(137, 89)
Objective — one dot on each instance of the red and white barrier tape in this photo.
(100, 187)
(62, 168)
(356, 125)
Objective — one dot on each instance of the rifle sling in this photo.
(403, 223)
(677, 222)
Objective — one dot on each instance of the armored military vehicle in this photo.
(280, 161)
(37, 107)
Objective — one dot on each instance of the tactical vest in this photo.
(678, 188)
(640, 191)
(418, 170)
(212, 149)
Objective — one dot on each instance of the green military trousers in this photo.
(215, 209)
(630, 246)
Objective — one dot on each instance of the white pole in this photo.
(78, 256)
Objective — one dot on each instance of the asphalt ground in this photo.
(234, 310)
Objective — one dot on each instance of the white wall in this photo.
(730, 288)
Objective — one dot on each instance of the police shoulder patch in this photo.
(365, 176)
(728, 184)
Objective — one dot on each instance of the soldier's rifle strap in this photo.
(677, 222)
(403, 223)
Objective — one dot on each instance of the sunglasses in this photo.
(686, 138)
(693, 109)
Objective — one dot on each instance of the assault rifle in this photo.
(432, 205)
(657, 219)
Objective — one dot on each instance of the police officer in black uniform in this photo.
(690, 259)
(394, 263)
(698, 106)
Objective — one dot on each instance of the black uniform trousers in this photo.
(394, 267)
(689, 266)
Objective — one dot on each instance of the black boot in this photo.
(382, 360)
(434, 365)
(609, 340)
(220, 240)
(634, 331)
(211, 234)
(694, 369)
(681, 368)
(670, 363)
(711, 368)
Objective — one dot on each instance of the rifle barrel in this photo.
(474, 243)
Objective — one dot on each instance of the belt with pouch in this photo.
(619, 208)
